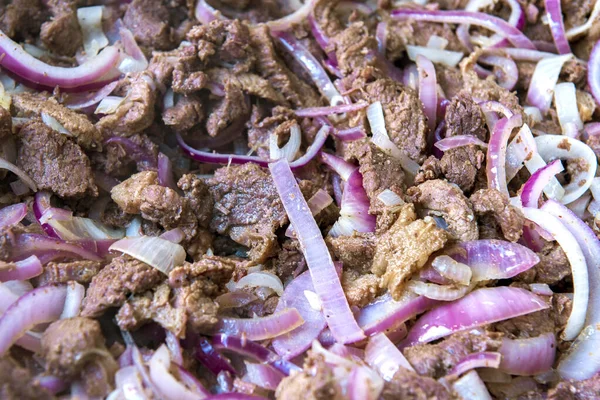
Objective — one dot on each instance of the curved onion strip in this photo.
(330, 110)
(22, 270)
(317, 203)
(480, 307)
(551, 147)
(452, 269)
(532, 189)
(289, 150)
(16, 170)
(354, 211)
(565, 100)
(90, 22)
(261, 328)
(459, 141)
(161, 254)
(383, 356)
(79, 101)
(483, 359)
(496, 154)
(299, 340)
(75, 295)
(528, 357)
(297, 17)
(575, 256)
(205, 13)
(212, 359)
(437, 292)
(21, 63)
(446, 57)
(262, 279)
(28, 244)
(557, 26)
(169, 387)
(487, 21)
(263, 375)
(235, 299)
(136, 60)
(544, 80)
(428, 89)
(41, 305)
(578, 30)
(165, 172)
(324, 275)
(13, 214)
(583, 358)
(471, 386)
(129, 382)
(593, 76)
(510, 74)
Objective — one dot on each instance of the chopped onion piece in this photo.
(136, 60)
(382, 355)
(76, 228)
(389, 198)
(528, 357)
(154, 251)
(437, 292)
(428, 89)
(22, 270)
(446, 57)
(109, 105)
(261, 328)
(581, 29)
(297, 17)
(459, 141)
(483, 359)
(376, 119)
(496, 154)
(12, 215)
(532, 189)
(453, 270)
(166, 384)
(261, 279)
(263, 375)
(73, 300)
(437, 42)
(579, 270)
(565, 100)
(471, 387)
(544, 81)
(90, 22)
(557, 26)
(354, 211)
(290, 149)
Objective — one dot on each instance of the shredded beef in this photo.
(247, 208)
(197, 193)
(54, 162)
(185, 114)
(231, 111)
(410, 386)
(464, 117)
(405, 248)
(79, 271)
(508, 217)
(110, 288)
(62, 34)
(440, 198)
(461, 166)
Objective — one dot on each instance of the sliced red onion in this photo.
(159, 253)
(583, 359)
(565, 99)
(290, 149)
(528, 357)
(437, 292)
(592, 128)
(478, 308)
(581, 29)
(165, 172)
(428, 89)
(297, 17)
(235, 299)
(544, 80)
(311, 65)
(75, 295)
(541, 288)
(205, 13)
(569, 244)
(557, 26)
(136, 62)
(446, 57)
(483, 359)
(330, 110)
(496, 154)
(234, 396)
(261, 279)
(263, 375)
(593, 76)
(299, 340)
(4, 164)
(510, 74)
(175, 235)
(317, 203)
(24, 269)
(459, 141)
(28, 244)
(386, 313)
(452, 269)
(532, 189)
(22, 64)
(128, 381)
(471, 386)
(487, 21)
(382, 355)
(52, 383)
(211, 358)
(13, 214)
(325, 279)
(410, 76)
(80, 101)
(262, 328)
(551, 147)
(41, 305)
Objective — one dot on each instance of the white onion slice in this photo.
(437, 292)
(569, 244)
(389, 198)
(154, 251)
(437, 42)
(76, 228)
(578, 30)
(551, 147)
(52, 123)
(376, 119)
(109, 105)
(533, 113)
(90, 21)
(452, 269)
(446, 57)
(471, 387)
(75, 295)
(544, 80)
(565, 99)
(135, 228)
(290, 149)
(261, 279)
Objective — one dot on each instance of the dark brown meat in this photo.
(84, 132)
(249, 83)
(54, 162)
(464, 117)
(588, 389)
(450, 80)
(136, 113)
(62, 34)
(21, 18)
(315, 382)
(182, 62)
(185, 114)
(198, 196)
(429, 170)
(461, 165)
(218, 270)
(128, 194)
(16, 383)
(68, 344)
(231, 111)
(355, 252)
(440, 198)
(122, 277)
(360, 289)
(5, 123)
(407, 385)
(405, 248)
(552, 268)
(491, 201)
(353, 46)
(263, 123)
(488, 89)
(79, 271)
(117, 161)
(436, 360)
(247, 208)
(289, 260)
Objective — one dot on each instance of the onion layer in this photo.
(528, 357)
(262, 328)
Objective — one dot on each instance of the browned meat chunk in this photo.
(78, 271)
(21, 18)
(488, 89)
(315, 382)
(355, 252)
(440, 198)
(197, 193)
(360, 289)
(230, 112)
(54, 162)
(16, 382)
(352, 47)
(218, 269)
(68, 344)
(290, 260)
(5, 123)
(407, 385)
(436, 360)
(461, 165)
(552, 268)
(576, 390)
(137, 111)
(128, 194)
(62, 34)
(185, 114)
(122, 277)
(464, 117)
(247, 208)
(430, 169)
(249, 83)
(79, 127)
(405, 248)
(495, 203)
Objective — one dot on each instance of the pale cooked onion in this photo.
(154, 251)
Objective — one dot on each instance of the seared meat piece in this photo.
(79, 271)
(16, 383)
(408, 385)
(62, 34)
(464, 117)
(461, 166)
(495, 203)
(315, 382)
